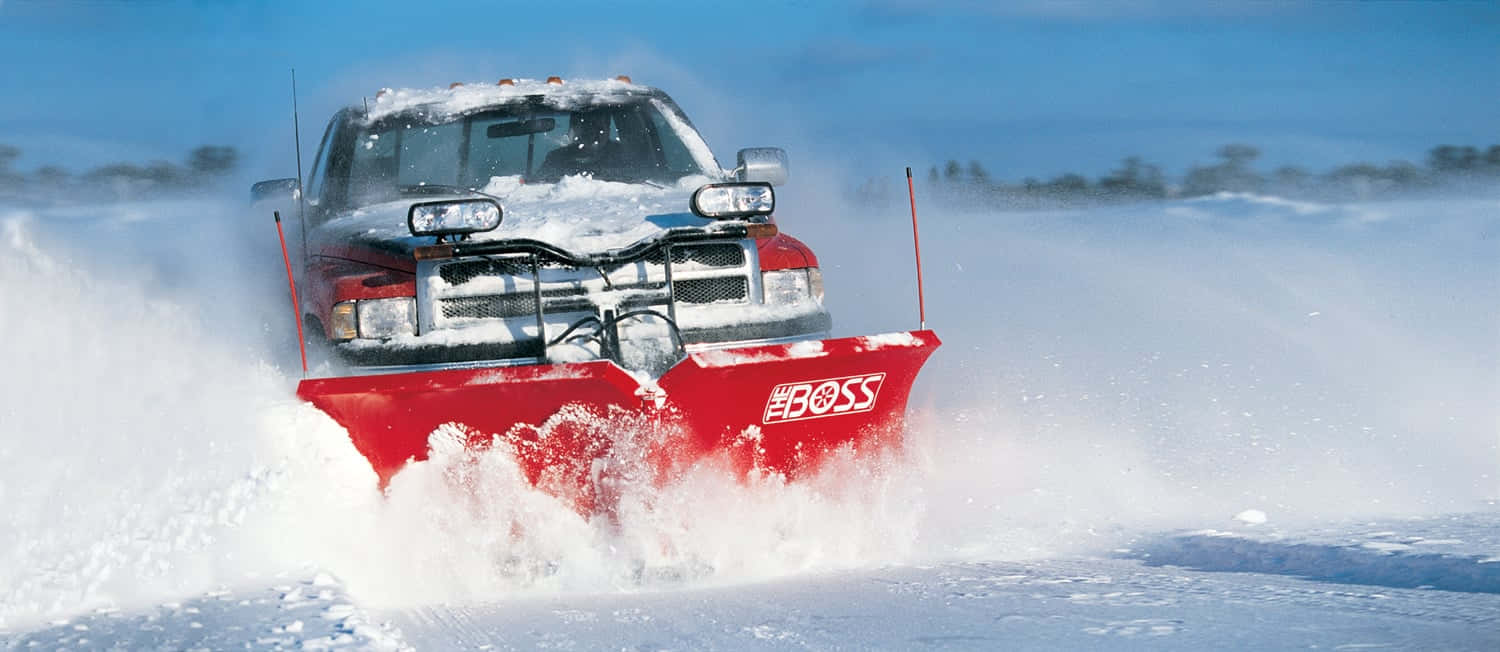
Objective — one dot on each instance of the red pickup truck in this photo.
(490, 256)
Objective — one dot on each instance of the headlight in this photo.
(785, 286)
(381, 318)
(442, 218)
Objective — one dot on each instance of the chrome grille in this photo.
(712, 290)
(495, 306)
(468, 270)
(713, 255)
(702, 274)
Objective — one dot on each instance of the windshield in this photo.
(629, 142)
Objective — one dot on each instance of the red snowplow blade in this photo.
(777, 407)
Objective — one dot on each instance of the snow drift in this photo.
(1177, 363)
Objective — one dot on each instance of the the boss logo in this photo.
(823, 398)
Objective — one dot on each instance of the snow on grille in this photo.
(725, 289)
(712, 256)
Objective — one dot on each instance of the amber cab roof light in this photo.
(623, 78)
(554, 80)
(506, 82)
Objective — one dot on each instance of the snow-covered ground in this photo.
(1235, 421)
(1193, 591)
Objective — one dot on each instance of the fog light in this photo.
(459, 217)
(722, 201)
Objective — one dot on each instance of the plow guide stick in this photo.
(292, 282)
(916, 244)
(780, 408)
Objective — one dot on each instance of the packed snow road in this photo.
(1117, 385)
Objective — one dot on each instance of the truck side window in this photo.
(674, 155)
(313, 192)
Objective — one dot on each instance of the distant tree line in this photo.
(203, 167)
(1446, 167)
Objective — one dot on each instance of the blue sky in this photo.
(1026, 88)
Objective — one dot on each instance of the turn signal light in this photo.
(761, 231)
(433, 252)
(341, 322)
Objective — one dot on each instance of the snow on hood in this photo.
(579, 214)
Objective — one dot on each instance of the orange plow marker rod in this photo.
(916, 244)
(291, 282)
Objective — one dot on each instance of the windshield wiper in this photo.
(421, 188)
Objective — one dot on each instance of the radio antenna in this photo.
(297, 142)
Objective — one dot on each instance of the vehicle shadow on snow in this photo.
(1375, 563)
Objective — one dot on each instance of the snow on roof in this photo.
(467, 97)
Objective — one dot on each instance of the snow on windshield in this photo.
(542, 132)
(586, 166)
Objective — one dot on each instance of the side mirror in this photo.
(762, 164)
(274, 189)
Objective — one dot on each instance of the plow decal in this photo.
(827, 397)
